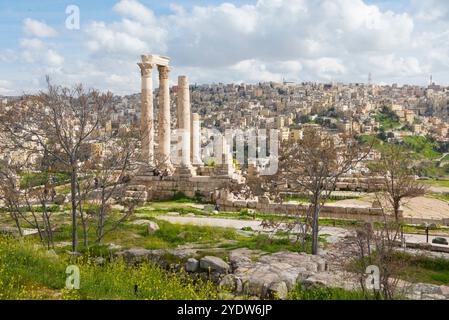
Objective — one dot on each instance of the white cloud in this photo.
(390, 65)
(135, 10)
(38, 29)
(36, 51)
(7, 55)
(326, 68)
(5, 88)
(431, 10)
(341, 40)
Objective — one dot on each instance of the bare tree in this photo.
(315, 164)
(378, 247)
(10, 194)
(396, 173)
(105, 175)
(22, 197)
(58, 123)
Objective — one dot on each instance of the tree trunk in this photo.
(17, 221)
(396, 207)
(101, 219)
(73, 192)
(82, 216)
(84, 224)
(316, 212)
(50, 231)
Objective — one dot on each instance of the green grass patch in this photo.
(424, 269)
(36, 208)
(180, 197)
(306, 200)
(387, 119)
(176, 234)
(168, 236)
(280, 242)
(422, 146)
(34, 179)
(27, 272)
(437, 183)
(299, 293)
(443, 197)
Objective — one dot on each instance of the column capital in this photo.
(145, 69)
(163, 72)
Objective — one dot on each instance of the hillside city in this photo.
(156, 154)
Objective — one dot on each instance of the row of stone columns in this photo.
(188, 126)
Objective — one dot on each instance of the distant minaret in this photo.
(431, 80)
(370, 79)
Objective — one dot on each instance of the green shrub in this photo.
(323, 293)
(34, 179)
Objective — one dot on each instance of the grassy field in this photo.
(30, 273)
(388, 120)
(169, 235)
(443, 197)
(422, 146)
(437, 183)
(425, 269)
(27, 272)
(327, 294)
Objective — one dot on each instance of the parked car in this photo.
(440, 240)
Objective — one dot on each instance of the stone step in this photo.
(137, 187)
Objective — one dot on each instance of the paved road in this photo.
(334, 233)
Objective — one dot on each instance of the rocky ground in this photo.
(252, 273)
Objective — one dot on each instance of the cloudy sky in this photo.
(397, 41)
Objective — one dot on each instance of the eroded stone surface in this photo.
(267, 274)
(192, 265)
(214, 264)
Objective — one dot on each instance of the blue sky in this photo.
(401, 41)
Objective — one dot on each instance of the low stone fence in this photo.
(425, 246)
(359, 213)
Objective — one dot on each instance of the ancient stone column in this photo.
(195, 139)
(146, 107)
(164, 116)
(183, 103)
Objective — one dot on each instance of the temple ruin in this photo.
(160, 177)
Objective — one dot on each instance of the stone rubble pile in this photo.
(252, 273)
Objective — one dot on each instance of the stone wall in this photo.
(359, 213)
(164, 189)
